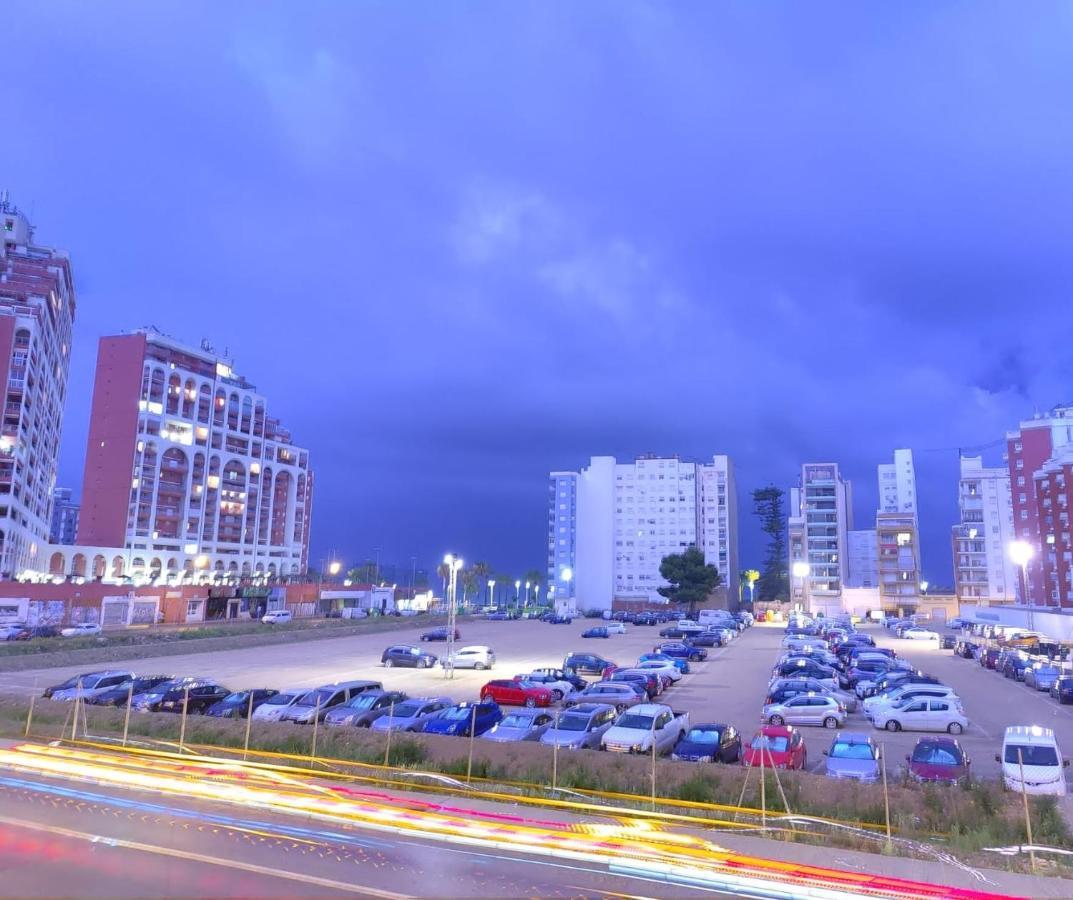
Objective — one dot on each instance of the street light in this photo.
(334, 567)
(453, 563)
(491, 592)
(801, 569)
(1021, 553)
(517, 591)
(923, 587)
(527, 593)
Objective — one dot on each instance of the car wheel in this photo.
(530, 702)
(388, 663)
(364, 724)
(955, 728)
(478, 666)
(830, 722)
(775, 720)
(427, 663)
(893, 725)
(556, 696)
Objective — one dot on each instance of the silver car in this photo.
(853, 755)
(806, 709)
(412, 714)
(90, 685)
(580, 727)
(274, 707)
(523, 725)
(619, 695)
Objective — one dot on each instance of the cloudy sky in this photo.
(461, 244)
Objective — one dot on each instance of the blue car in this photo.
(1041, 677)
(682, 665)
(1062, 689)
(681, 650)
(598, 632)
(457, 719)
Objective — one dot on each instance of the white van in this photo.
(1035, 750)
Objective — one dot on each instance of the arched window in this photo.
(247, 415)
(156, 387)
(204, 404)
(174, 394)
(57, 564)
(189, 398)
(280, 501)
(78, 565)
(100, 566)
(117, 567)
(155, 568)
(137, 566)
(232, 411)
(219, 408)
(171, 494)
(259, 419)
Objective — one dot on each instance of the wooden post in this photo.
(1028, 818)
(555, 761)
(316, 725)
(249, 722)
(74, 712)
(30, 715)
(472, 738)
(126, 715)
(653, 775)
(387, 746)
(182, 725)
(886, 796)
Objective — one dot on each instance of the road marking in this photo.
(201, 858)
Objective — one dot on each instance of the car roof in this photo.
(481, 648)
(776, 730)
(588, 708)
(853, 737)
(1030, 734)
(709, 726)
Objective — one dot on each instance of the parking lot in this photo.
(728, 687)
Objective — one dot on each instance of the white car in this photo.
(923, 714)
(1033, 751)
(559, 687)
(615, 627)
(661, 668)
(277, 617)
(83, 628)
(276, 705)
(477, 657)
(920, 634)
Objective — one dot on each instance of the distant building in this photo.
(983, 570)
(898, 534)
(863, 571)
(821, 516)
(64, 527)
(37, 310)
(611, 524)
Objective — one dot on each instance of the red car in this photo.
(938, 759)
(785, 748)
(516, 693)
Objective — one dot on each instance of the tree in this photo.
(774, 581)
(469, 582)
(749, 578)
(690, 579)
(481, 571)
(444, 571)
(363, 574)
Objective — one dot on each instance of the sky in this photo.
(459, 245)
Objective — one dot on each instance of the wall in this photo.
(1055, 625)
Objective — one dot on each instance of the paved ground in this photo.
(729, 687)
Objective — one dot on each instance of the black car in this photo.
(119, 695)
(1014, 667)
(706, 639)
(804, 668)
(407, 655)
(965, 649)
(37, 631)
(587, 663)
(1062, 689)
(202, 695)
(709, 743)
(440, 634)
(947, 641)
(237, 705)
(672, 631)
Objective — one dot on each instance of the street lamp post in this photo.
(491, 592)
(536, 594)
(566, 575)
(527, 593)
(1021, 553)
(453, 564)
(517, 591)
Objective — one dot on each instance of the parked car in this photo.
(236, 705)
(923, 714)
(274, 707)
(901, 694)
(617, 694)
(407, 655)
(598, 632)
(580, 726)
(665, 669)
(615, 627)
(361, 710)
(709, 742)
(555, 619)
(82, 628)
(989, 657)
(806, 709)
(639, 728)
(965, 649)
(516, 693)
(150, 700)
(196, 696)
(127, 690)
(682, 665)
(1013, 666)
(1041, 676)
(520, 725)
(806, 668)
(652, 683)
(1035, 752)
(413, 714)
(588, 664)
(947, 642)
(785, 688)
(1062, 689)
(707, 639)
(853, 755)
(464, 718)
(682, 649)
(938, 759)
(70, 684)
(89, 685)
(568, 675)
(315, 704)
(277, 617)
(476, 657)
(440, 634)
(30, 632)
(778, 747)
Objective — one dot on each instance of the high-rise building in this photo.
(37, 310)
(898, 534)
(64, 527)
(983, 570)
(186, 472)
(1053, 484)
(898, 484)
(611, 524)
(1038, 442)
(863, 570)
(821, 517)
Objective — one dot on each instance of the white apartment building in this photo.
(983, 570)
(37, 310)
(898, 534)
(863, 570)
(612, 524)
(821, 516)
(898, 484)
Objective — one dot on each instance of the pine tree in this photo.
(774, 583)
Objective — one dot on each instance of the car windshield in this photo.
(703, 736)
(363, 701)
(635, 721)
(937, 755)
(281, 699)
(570, 722)
(319, 697)
(457, 713)
(776, 743)
(526, 684)
(92, 681)
(70, 682)
(408, 710)
(1031, 755)
(848, 750)
(516, 720)
(237, 697)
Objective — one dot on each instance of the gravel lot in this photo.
(728, 687)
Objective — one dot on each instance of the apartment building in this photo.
(64, 523)
(37, 311)
(898, 534)
(611, 524)
(983, 570)
(863, 569)
(821, 517)
(1053, 486)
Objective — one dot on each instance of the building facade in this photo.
(983, 570)
(611, 525)
(898, 534)
(37, 310)
(821, 518)
(863, 569)
(64, 523)
(1038, 442)
(1053, 485)
(187, 476)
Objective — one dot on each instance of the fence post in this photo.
(126, 715)
(387, 746)
(886, 796)
(316, 725)
(30, 715)
(763, 783)
(74, 713)
(554, 761)
(653, 775)
(1028, 818)
(472, 738)
(249, 722)
(182, 726)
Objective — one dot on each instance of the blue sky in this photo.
(461, 244)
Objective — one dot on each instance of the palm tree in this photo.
(444, 571)
(481, 571)
(469, 582)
